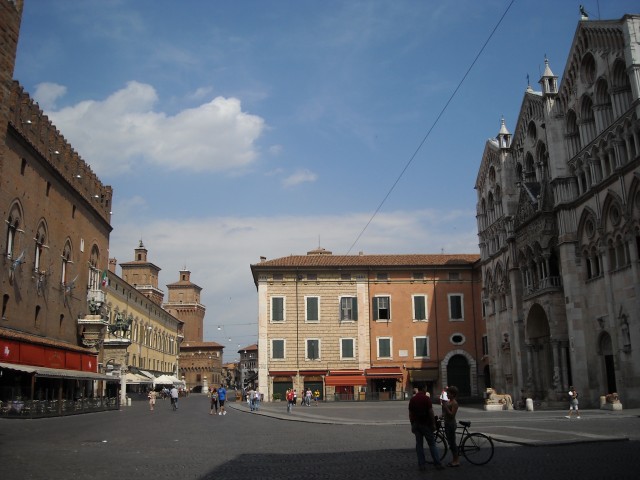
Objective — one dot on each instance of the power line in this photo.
(435, 122)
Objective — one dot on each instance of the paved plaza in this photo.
(332, 440)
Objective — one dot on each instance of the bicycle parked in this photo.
(476, 447)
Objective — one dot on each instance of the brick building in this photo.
(56, 214)
(200, 361)
(368, 326)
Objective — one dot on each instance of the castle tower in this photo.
(184, 304)
(143, 275)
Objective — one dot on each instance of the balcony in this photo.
(543, 286)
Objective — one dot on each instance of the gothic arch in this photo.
(584, 233)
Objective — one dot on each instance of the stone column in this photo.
(556, 364)
(123, 385)
(564, 372)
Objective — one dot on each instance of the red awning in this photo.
(383, 372)
(344, 380)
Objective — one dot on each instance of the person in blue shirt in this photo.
(222, 396)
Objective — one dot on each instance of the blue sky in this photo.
(235, 129)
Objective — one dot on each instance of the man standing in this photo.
(222, 396)
(423, 425)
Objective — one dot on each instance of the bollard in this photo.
(128, 401)
(529, 403)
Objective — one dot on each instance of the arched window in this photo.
(40, 241)
(66, 263)
(94, 270)
(13, 227)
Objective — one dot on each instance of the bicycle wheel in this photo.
(477, 448)
(441, 447)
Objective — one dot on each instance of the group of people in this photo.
(307, 396)
(423, 424)
(254, 397)
(218, 397)
(173, 393)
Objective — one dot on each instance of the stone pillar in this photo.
(556, 365)
(123, 385)
(564, 373)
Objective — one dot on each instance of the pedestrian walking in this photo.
(307, 397)
(174, 397)
(573, 403)
(258, 400)
(316, 396)
(290, 400)
(423, 426)
(214, 401)
(222, 397)
(450, 409)
(251, 399)
(295, 397)
(152, 399)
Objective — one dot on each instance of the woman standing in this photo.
(449, 409)
(152, 399)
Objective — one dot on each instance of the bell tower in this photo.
(184, 304)
(143, 275)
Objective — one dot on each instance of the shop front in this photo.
(385, 383)
(344, 385)
(50, 378)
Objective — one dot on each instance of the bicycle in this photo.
(476, 447)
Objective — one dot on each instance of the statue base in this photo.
(493, 407)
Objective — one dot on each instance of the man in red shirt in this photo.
(423, 425)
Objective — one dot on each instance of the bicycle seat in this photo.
(464, 424)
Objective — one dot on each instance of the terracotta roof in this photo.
(250, 347)
(27, 337)
(409, 260)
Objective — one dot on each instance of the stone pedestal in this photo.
(611, 406)
(492, 407)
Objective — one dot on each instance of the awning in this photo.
(344, 380)
(149, 375)
(135, 379)
(58, 372)
(424, 375)
(383, 372)
(168, 380)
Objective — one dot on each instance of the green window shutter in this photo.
(375, 308)
(277, 314)
(354, 308)
(419, 307)
(312, 308)
(278, 349)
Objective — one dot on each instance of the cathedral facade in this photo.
(558, 212)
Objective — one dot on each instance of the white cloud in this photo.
(219, 251)
(47, 93)
(298, 177)
(215, 136)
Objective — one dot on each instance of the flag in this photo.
(105, 280)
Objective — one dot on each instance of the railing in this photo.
(55, 408)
